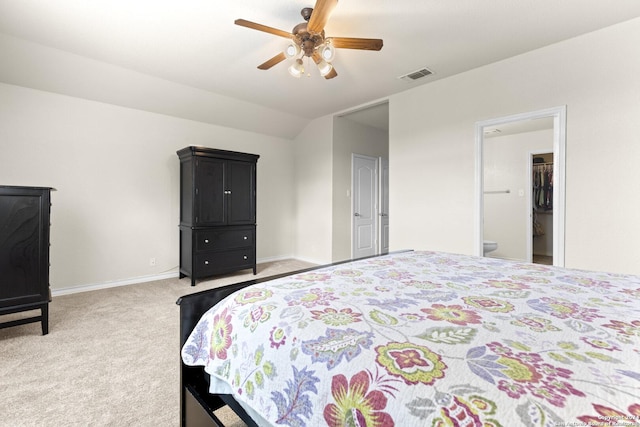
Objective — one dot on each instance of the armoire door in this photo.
(210, 197)
(240, 193)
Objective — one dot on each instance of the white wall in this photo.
(431, 146)
(313, 191)
(117, 172)
(117, 176)
(506, 167)
(350, 137)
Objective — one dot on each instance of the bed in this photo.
(416, 338)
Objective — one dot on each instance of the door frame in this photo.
(383, 204)
(559, 115)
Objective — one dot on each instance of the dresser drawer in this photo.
(211, 240)
(211, 263)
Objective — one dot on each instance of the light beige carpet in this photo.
(111, 357)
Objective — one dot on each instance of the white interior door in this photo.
(383, 239)
(365, 205)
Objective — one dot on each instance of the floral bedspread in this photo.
(430, 339)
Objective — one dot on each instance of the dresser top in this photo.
(23, 187)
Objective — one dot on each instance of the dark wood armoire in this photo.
(217, 212)
(24, 253)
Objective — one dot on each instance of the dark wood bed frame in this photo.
(197, 405)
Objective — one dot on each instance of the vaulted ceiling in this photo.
(196, 44)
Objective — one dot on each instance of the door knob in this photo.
(356, 214)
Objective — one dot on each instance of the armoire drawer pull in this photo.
(206, 263)
(245, 237)
(206, 240)
(245, 257)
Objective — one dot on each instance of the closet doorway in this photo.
(541, 208)
(485, 193)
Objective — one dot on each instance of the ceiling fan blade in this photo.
(356, 43)
(273, 61)
(320, 15)
(260, 27)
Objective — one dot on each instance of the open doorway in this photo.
(365, 132)
(541, 208)
(509, 186)
(484, 192)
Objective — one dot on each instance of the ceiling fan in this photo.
(308, 39)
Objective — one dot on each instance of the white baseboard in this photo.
(143, 279)
(114, 284)
(313, 261)
(275, 258)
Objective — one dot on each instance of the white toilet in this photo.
(489, 246)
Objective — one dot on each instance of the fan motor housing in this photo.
(307, 41)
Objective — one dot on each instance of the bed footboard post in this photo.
(184, 334)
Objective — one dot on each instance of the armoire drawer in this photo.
(211, 263)
(210, 240)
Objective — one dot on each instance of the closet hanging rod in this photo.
(497, 192)
(543, 164)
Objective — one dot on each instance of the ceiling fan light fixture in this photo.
(327, 51)
(324, 67)
(297, 68)
(292, 50)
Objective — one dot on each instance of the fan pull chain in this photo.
(308, 68)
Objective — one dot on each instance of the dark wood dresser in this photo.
(24, 253)
(217, 212)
